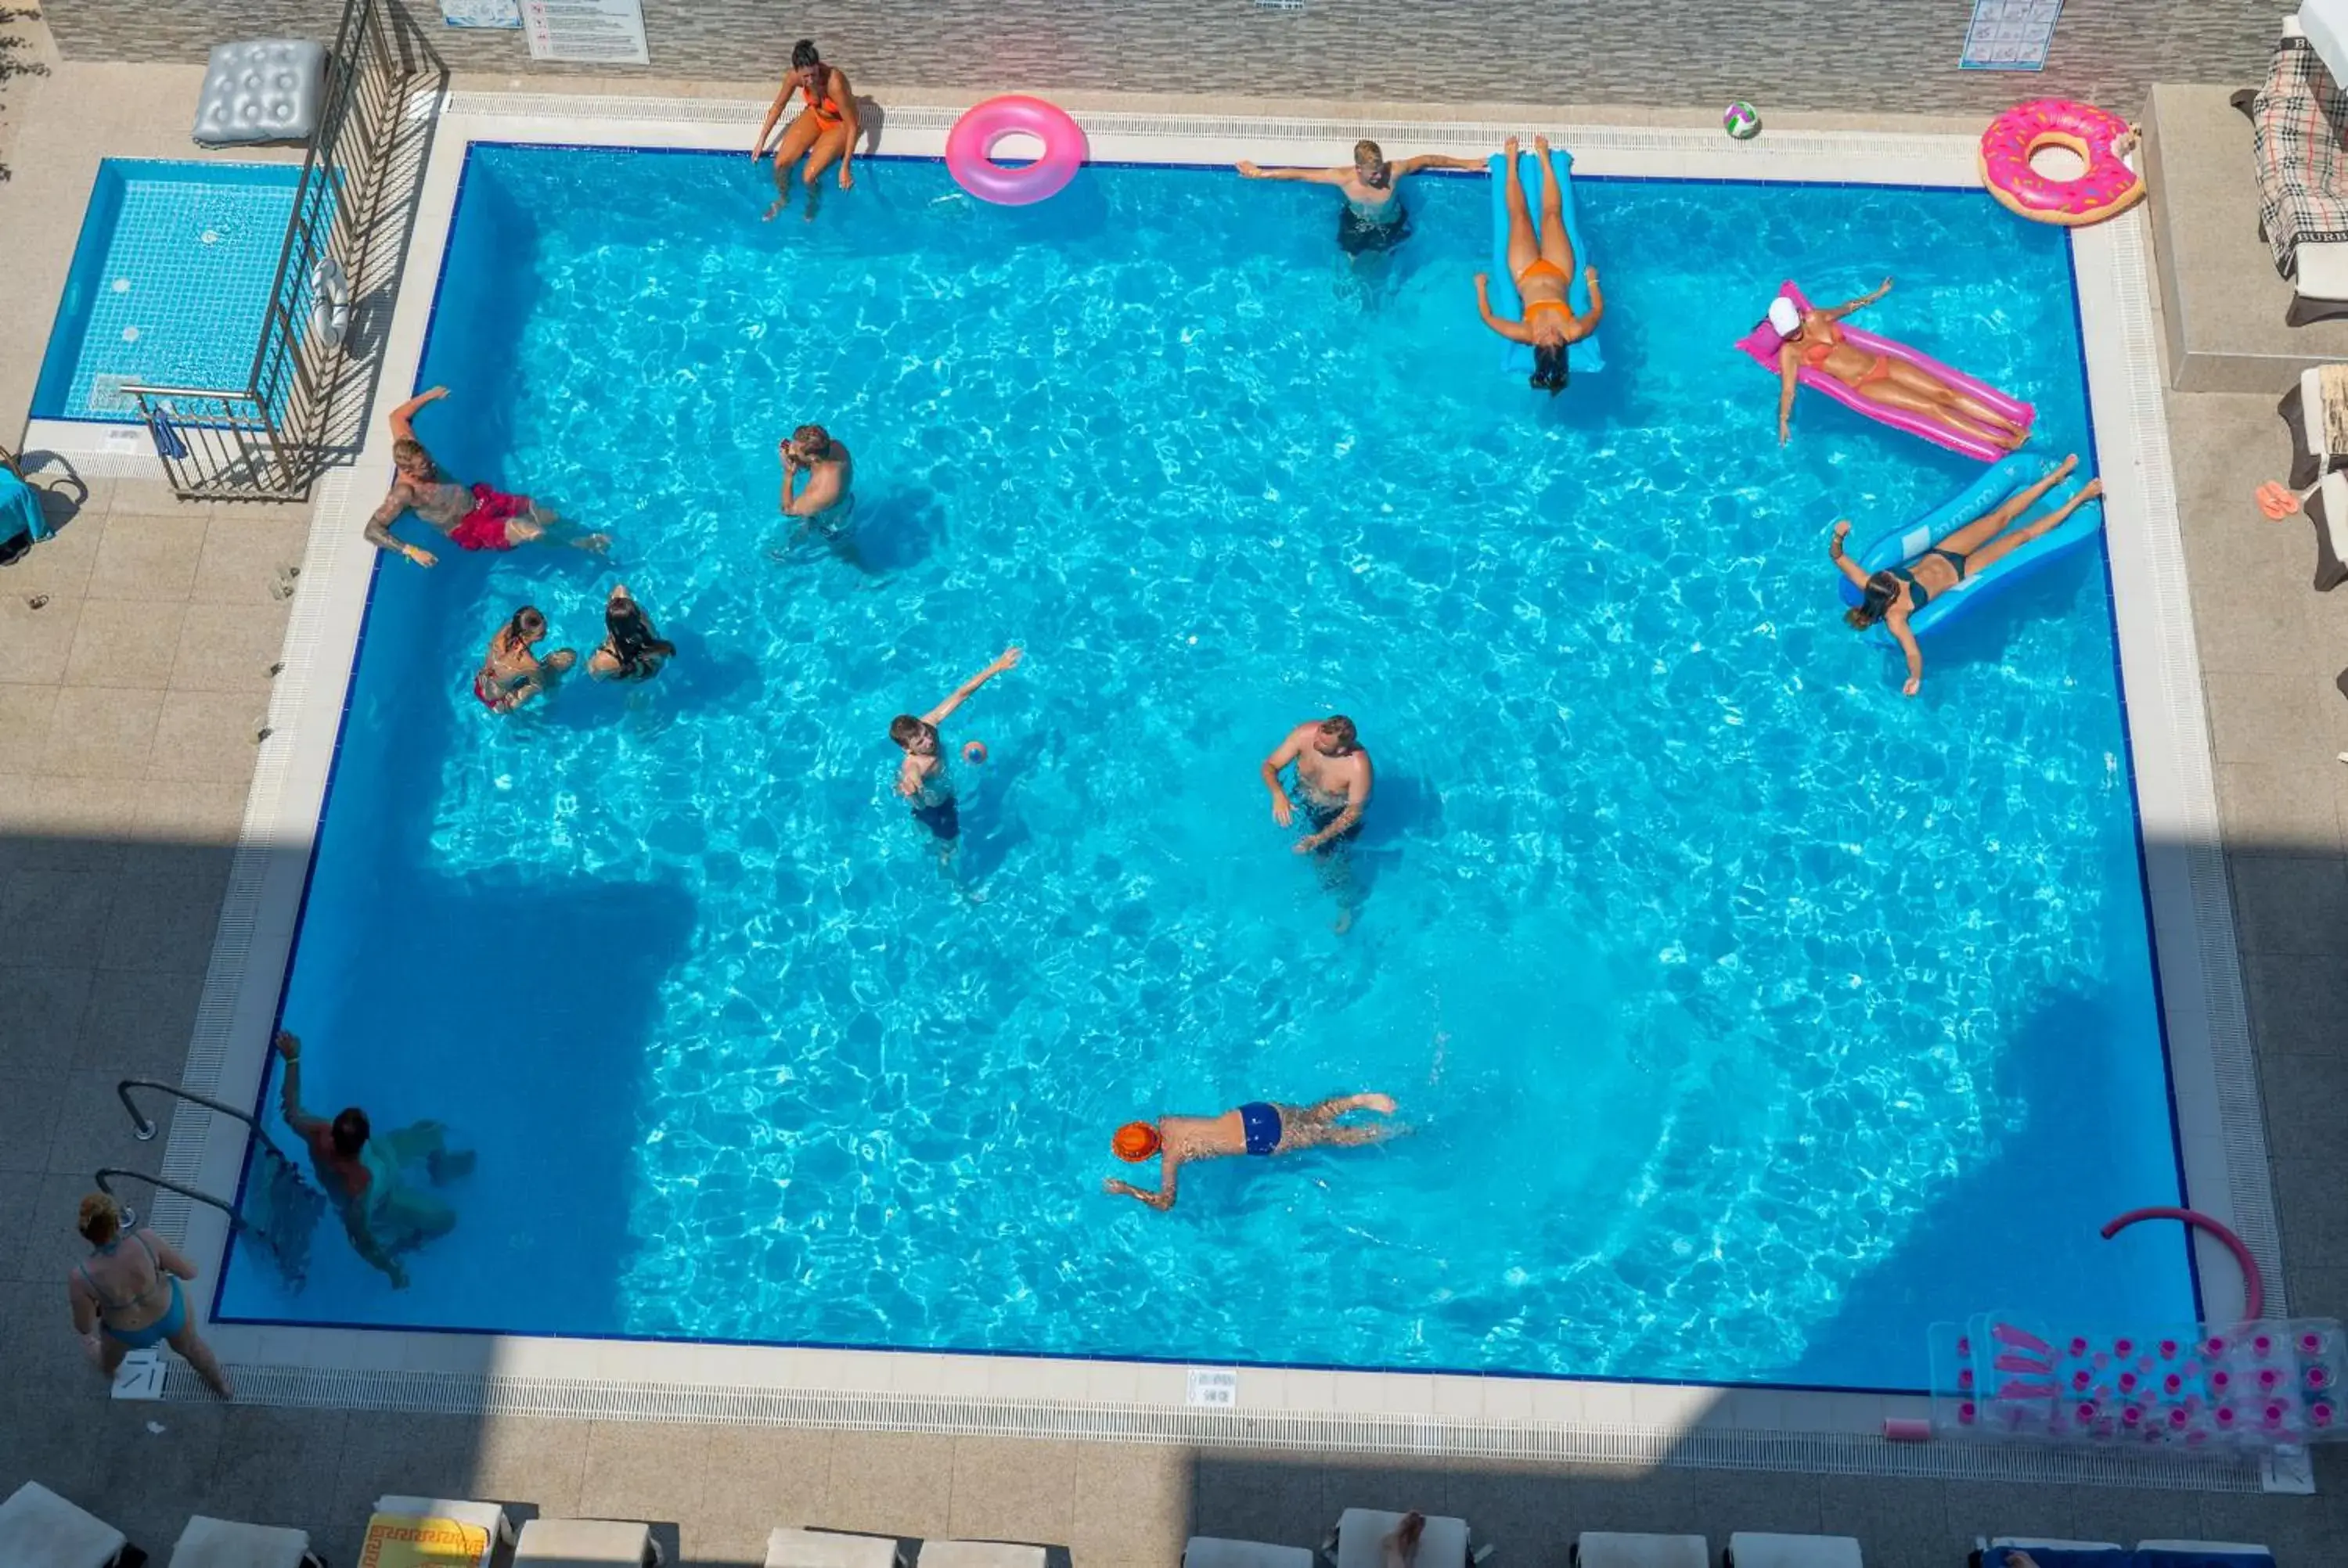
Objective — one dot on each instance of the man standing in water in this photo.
(1259, 1127)
(1332, 785)
(923, 778)
(825, 475)
(1374, 218)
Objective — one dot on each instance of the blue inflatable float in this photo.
(1514, 357)
(1999, 485)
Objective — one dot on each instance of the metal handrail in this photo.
(130, 1215)
(145, 1130)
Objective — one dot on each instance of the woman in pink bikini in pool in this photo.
(1811, 340)
(512, 672)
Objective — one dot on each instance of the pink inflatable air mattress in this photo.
(1761, 342)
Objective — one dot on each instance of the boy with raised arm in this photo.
(923, 778)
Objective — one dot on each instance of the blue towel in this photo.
(20, 509)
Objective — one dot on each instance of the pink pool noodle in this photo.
(1907, 1430)
(1761, 343)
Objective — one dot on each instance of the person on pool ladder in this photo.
(1541, 261)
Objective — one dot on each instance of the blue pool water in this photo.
(1748, 1016)
(170, 279)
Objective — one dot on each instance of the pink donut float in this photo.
(970, 149)
(2108, 186)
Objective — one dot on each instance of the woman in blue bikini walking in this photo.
(128, 1298)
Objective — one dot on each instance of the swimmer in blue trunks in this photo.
(1894, 594)
(1333, 785)
(129, 1299)
(1373, 219)
(1258, 1128)
(923, 778)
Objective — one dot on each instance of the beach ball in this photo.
(1741, 120)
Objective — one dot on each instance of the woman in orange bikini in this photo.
(1812, 342)
(825, 129)
(1542, 263)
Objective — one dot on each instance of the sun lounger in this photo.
(586, 1544)
(1213, 1552)
(2049, 1552)
(224, 1543)
(979, 1554)
(1613, 1549)
(39, 1529)
(787, 1546)
(2316, 410)
(1760, 1549)
(1359, 1541)
(2298, 140)
(449, 1525)
(2200, 1554)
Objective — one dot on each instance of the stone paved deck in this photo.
(127, 705)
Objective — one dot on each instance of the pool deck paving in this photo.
(128, 705)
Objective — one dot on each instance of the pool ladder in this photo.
(278, 1210)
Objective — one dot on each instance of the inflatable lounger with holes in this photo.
(269, 89)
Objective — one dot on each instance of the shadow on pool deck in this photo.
(110, 937)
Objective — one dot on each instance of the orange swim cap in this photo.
(1136, 1140)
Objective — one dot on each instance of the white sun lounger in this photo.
(224, 1543)
(2319, 268)
(1360, 1540)
(1762, 1549)
(788, 1546)
(488, 1524)
(39, 1529)
(586, 1544)
(979, 1554)
(1613, 1549)
(1214, 1552)
(2044, 1543)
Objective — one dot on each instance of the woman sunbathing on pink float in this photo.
(1812, 342)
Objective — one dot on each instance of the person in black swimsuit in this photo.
(1374, 218)
(1894, 594)
(632, 650)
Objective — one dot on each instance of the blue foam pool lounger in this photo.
(1902, 545)
(1514, 357)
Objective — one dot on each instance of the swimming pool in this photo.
(1749, 1016)
(170, 281)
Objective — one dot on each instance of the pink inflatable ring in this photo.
(970, 149)
(2108, 186)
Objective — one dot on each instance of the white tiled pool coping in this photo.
(2210, 1062)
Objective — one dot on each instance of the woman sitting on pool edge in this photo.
(1812, 342)
(1541, 261)
(1894, 594)
(826, 129)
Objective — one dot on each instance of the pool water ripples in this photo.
(1710, 972)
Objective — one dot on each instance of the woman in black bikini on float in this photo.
(1894, 594)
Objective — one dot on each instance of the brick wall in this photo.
(1857, 55)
